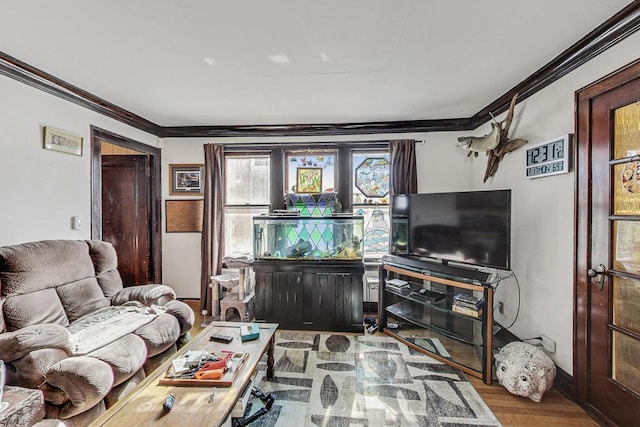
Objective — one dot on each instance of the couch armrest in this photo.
(15, 345)
(183, 313)
(77, 382)
(145, 294)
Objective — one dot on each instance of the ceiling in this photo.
(257, 62)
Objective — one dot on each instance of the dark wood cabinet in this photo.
(322, 296)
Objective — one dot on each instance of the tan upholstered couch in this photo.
(69, 328)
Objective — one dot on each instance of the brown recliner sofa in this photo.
(70, 328)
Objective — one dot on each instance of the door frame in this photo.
(155, 192)
(582, 284)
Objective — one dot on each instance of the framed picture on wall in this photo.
(186, 179)
(309, 180)
(65, 142)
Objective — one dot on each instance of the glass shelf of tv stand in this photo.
(481, 276)
(436, 342)
(405, 311)
(430, 323)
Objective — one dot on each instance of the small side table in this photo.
(26, 407)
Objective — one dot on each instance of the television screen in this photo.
(471, 227)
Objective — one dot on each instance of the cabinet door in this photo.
(336, 299)
(279, 298)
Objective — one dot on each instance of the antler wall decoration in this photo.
(496, 143)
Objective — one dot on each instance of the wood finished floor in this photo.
(554, 410)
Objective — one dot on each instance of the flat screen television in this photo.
(472, 227)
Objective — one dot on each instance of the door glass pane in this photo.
(626, 176)
(627, 131)
(626, 303)
(626, 361)
(626, 188)
(626, 246)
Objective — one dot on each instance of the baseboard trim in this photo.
(564, 384)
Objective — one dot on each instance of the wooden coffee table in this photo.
(194, 405)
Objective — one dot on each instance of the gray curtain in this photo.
(404, 177)
(212, 236)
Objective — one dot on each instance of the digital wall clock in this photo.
(550, 157)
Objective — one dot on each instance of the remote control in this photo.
(221, 338)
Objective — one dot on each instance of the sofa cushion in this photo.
(30, 274)
(108, 324)
(81, 298)
(17, 344)
(29, 267)
(105, 262)
(125, 356)
(159, 334)
(43, 306)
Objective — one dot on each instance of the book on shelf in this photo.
(468, 301)
(397, 285)
(397, 282)
(398, 290)
(467, 311)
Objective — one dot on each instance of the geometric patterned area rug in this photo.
(366, 381)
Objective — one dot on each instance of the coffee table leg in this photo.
(270, 357)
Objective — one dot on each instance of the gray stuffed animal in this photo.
(525, 370)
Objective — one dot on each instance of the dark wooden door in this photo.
(126, 220)
(607, 348)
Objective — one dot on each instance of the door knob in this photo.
(601, 272)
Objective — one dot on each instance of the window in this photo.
(370, 175)
(246, 195)
(323, 160)
(356, 178)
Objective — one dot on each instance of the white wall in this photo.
(543, 216)
(40, 189)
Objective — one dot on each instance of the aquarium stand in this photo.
(310, 295)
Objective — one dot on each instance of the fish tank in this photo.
(304, 238)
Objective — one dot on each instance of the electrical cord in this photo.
(518, 309)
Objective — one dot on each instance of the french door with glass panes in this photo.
(607, 342)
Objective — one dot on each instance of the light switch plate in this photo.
(76, 223)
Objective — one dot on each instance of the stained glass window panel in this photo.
(325, 160)
(376, 231)
(370, 177)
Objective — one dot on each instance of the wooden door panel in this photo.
(126, 215)
(606, 339)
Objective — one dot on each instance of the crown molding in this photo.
(615, 29)
(32, 76)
